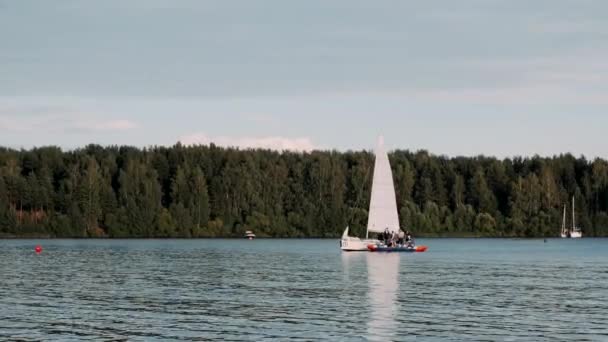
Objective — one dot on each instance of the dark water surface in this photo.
(461, 289)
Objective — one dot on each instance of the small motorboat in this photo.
(249, 235)
(401, 249)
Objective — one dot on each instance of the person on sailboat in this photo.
(409, 240)
(401, 239)
(386, 236)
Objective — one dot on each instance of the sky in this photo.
(493, 77)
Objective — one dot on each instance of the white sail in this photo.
(383, 205)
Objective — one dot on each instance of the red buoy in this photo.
(38, 249)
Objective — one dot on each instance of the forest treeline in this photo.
(208, 191)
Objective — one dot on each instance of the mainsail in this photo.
(383, 205)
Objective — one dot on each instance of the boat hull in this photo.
(386, 249)
(353, 244)
(572, 235)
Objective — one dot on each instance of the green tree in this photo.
(200, 200)
(458, 192)
(481, 196)
(485, 224)
(140, 196)
(89, 197)
(4, 207)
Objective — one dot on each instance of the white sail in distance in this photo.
(383, 205)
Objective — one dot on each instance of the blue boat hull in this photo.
(417, 249)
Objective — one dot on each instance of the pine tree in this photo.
(4, 207)
(89, 197)
(200, 200)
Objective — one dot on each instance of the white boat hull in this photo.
(355, 244)
(573, 235)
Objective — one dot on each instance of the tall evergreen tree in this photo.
(89, 197)
(200, 200)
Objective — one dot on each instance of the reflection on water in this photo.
(302, 290)
(383, 279)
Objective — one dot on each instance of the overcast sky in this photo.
(464, 77)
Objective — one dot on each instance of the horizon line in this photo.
(321, 150)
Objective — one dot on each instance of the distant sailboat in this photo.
(574, 232)
(382, 207)
(564, 232)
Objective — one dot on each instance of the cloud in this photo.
(538, 94)
(586, 27)
(67, 123)
(65, 115)
(113, 125)
(272, 142)
(265, 119)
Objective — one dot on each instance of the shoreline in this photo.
(278, 238)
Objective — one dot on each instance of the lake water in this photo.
(461, 289)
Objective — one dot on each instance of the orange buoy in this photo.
(38, 249)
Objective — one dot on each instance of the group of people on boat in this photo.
(401, 239)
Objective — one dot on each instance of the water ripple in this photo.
(485, 290)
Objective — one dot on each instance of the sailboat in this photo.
(382, 208)
(574, 232)
(564, 232)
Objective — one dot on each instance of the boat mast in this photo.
(564, 221)
(573, 220)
